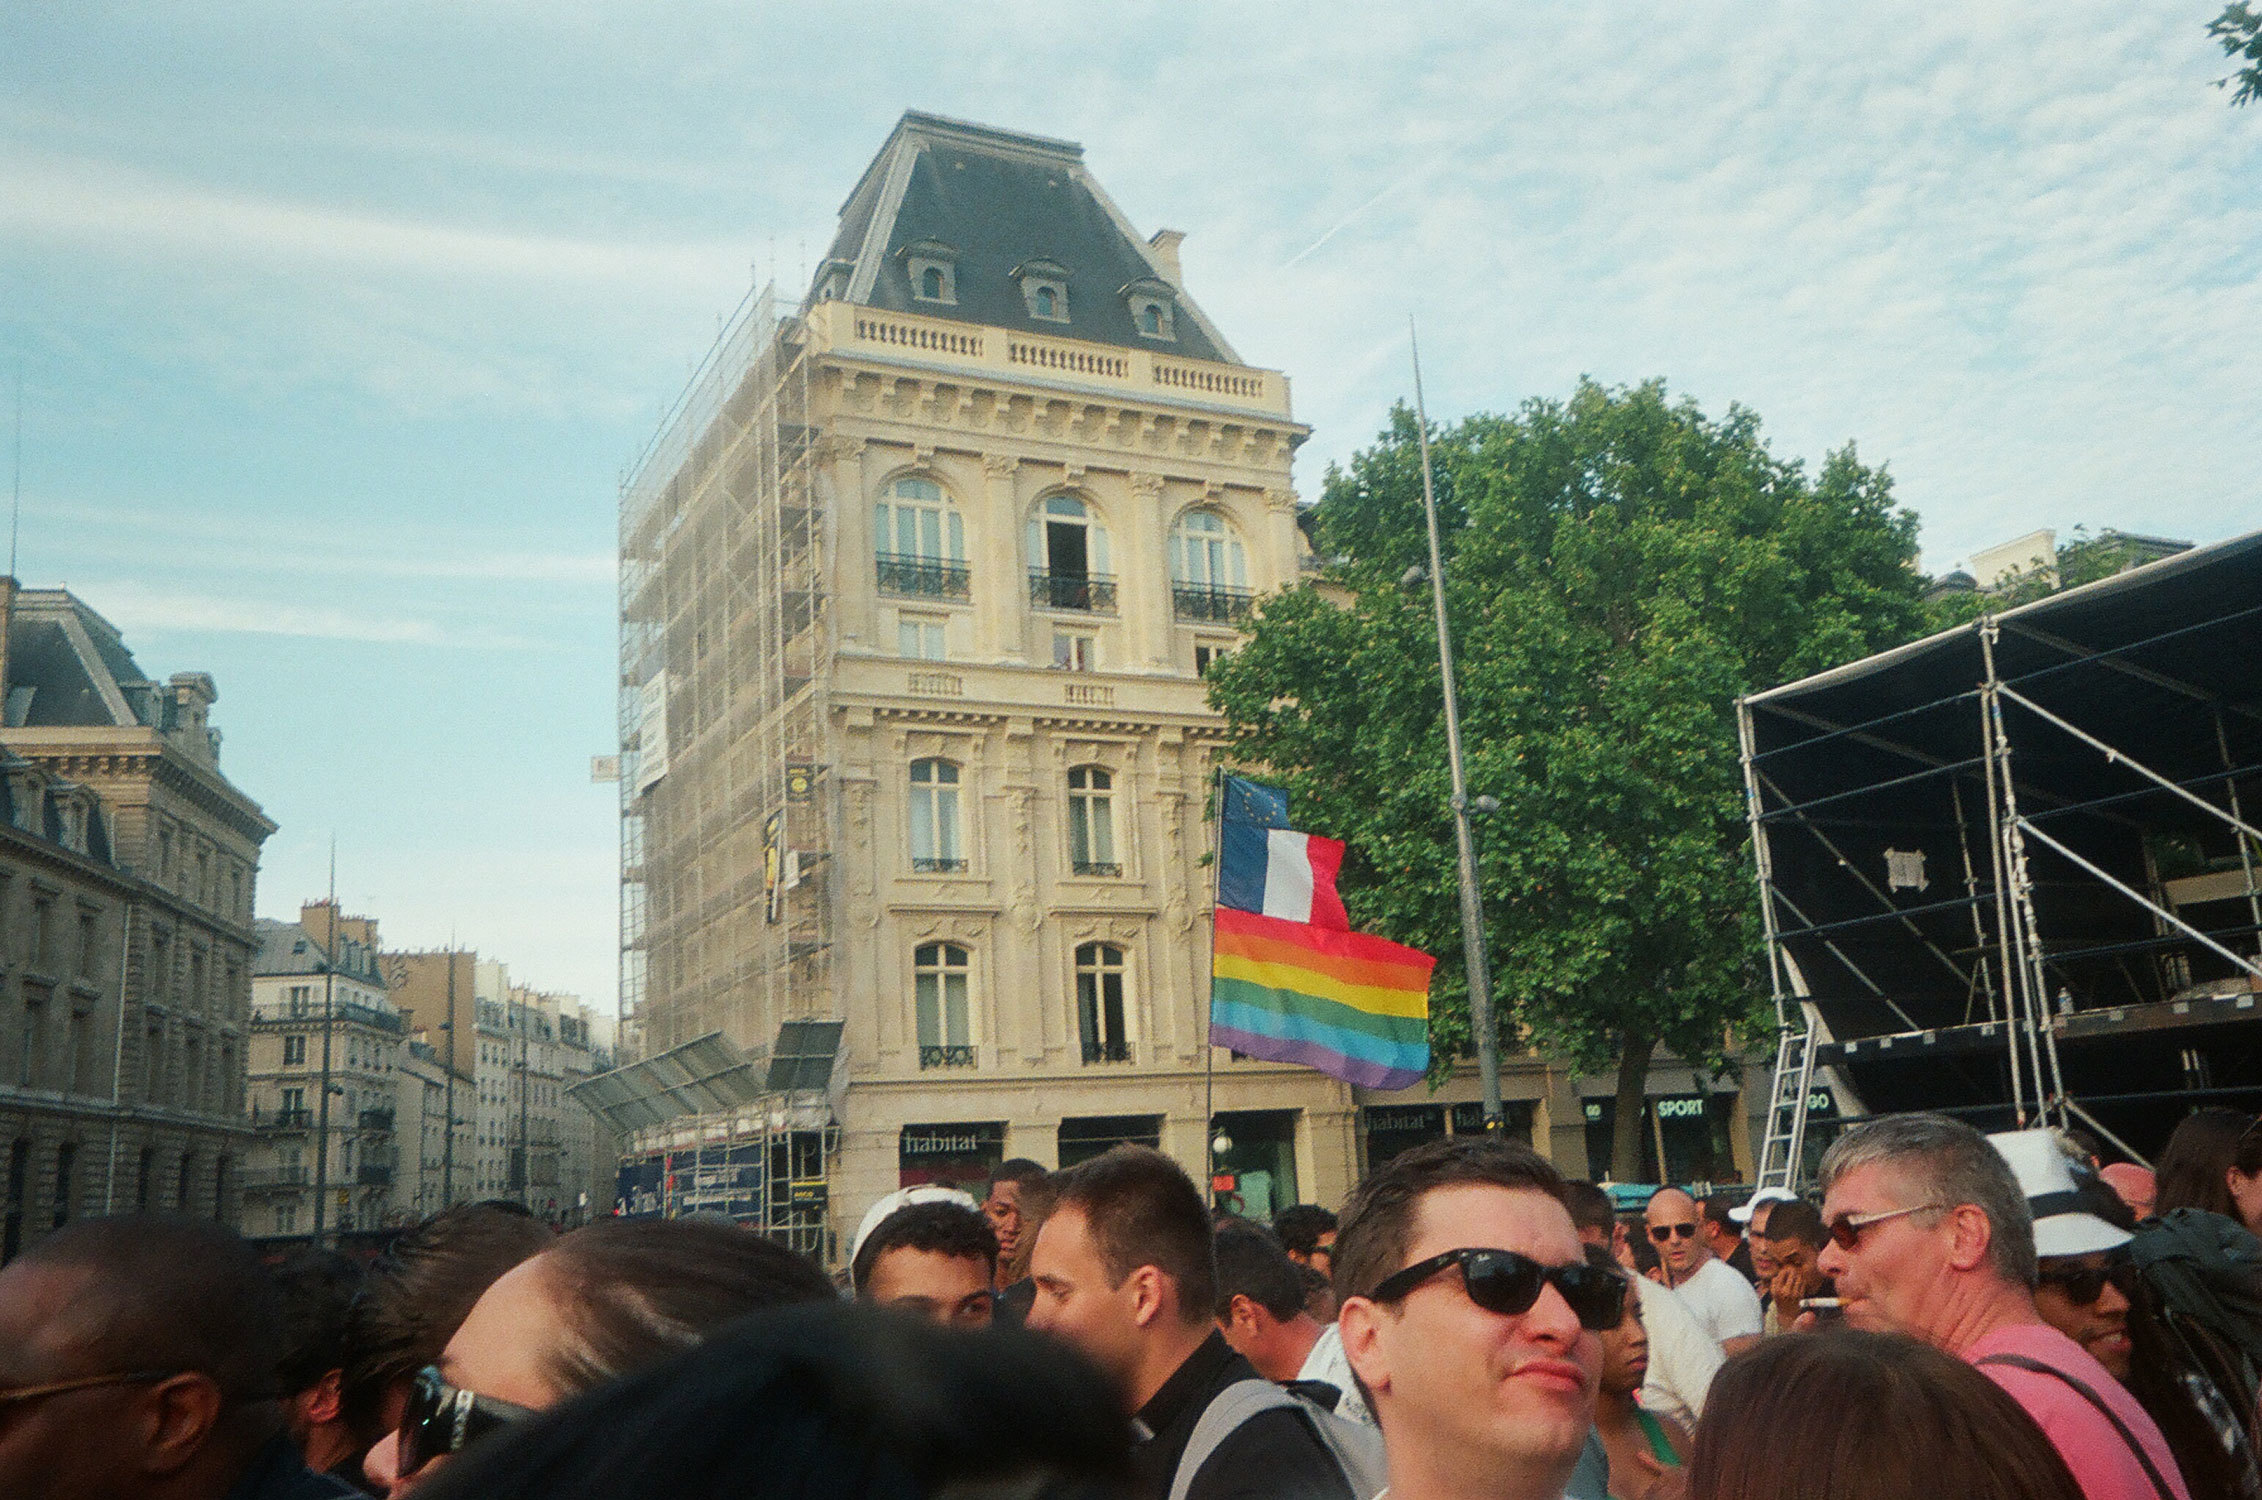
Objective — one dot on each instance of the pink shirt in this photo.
(2100, 1460)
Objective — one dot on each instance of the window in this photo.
(78, 1076)
(1074, 653)
(1099, 1003)
(1045, 302)
(294, 1051)
(939, 987)
(87, 945)
(32, 1066)
(286, 1218)
(919, 637)
(1069, 558)
(933, 269)
(1150, 320)
(293, 1110)
(184, 1190)
(1207, 654)
(931, 283)
(302, 999)
(1209, 570)
(935, 848)
(145, 1179)
(1044, 289)
(66, 1167)
(1091, 821)
(919, 539)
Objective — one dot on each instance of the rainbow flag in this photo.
(1353, 1006)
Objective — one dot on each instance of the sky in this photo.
(337, 325)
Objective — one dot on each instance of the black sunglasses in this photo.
(441, 1419)
(1504, 1282)
(2085, 1284)
(1663, 1232)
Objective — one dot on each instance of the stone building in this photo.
(131, 979)
(317, 989)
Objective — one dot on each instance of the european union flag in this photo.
(1255, 803)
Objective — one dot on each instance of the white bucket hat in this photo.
(895, 1202)
(1743, 1211)
(2061, 1225)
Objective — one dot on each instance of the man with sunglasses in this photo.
(1471, 1318)
(1932, 1234)
(137, 1362)
(1724, 1303)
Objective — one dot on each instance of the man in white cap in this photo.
(1752, 1215)
(1932, 1233)
(929, 1251)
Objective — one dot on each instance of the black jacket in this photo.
(1275, 1455)
(278, 1473)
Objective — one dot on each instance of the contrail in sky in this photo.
(1344, 222)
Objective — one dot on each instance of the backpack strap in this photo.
(2160, 1486)
(1236, 1404)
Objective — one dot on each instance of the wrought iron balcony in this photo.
(1106, 1052)
(1096, 867)
(267, 1179)
(923, 577)
(1088, 593)
(926, 866)
(377, 1119)
(374, 1174)
(287, 1119)
(1195, 601)
(946, 1057)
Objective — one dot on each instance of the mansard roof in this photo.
(69, 666)
(1000, 201)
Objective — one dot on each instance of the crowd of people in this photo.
(1951, 1314)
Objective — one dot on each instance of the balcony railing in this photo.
(1106, 1052)
(1195, 601)
(374, 1174)
(924, 577)
(1096, 867)
(377, 1119)
(926, 866)
(287, 1119)
(268, 1179)
(946, 1057)
(1087, 593)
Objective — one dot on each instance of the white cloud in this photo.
(134, 606)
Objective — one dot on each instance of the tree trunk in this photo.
(1626, 1121)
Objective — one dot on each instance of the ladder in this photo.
(1780, 1150)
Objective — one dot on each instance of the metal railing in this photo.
(946, 1057)
(374, 1174)
(1107, 1052)
(926, 866)
(287, 1119)
(264, 1179)
(1096, 867)
(923, 577)
(377, 1119)
(1088, 593)
(1195, 601)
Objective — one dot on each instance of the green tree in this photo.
(2239, 30)
(2083, 559)
(1620, 567)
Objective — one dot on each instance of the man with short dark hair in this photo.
(1126, 1271)
(1931, 1234)
(1471, 1316)
(1724, 1303)
(137, 1362)
(1001, 1205)
(1308, 1232)
(318, 1289)
(1260, 1301)
(1724, 1237)
(1793, 1239)
(936, 1259)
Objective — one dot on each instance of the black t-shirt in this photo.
(1275, 1455)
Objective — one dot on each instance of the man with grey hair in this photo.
(1931, 1235)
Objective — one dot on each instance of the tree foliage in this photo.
(2239, 30)
(1619, 568)
(2083, 559)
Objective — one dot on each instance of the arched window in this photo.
(1068, 558)
(931, 283)
(935, 847)
(1209, 569)
(939, 988)
(919, 539)
(1046, 302)
(1091, 821)
(1099, 1003)
(1150, 320)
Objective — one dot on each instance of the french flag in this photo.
(1280, 873)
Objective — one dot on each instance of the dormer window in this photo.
(1044, 287)
(932, 268)
(832, 280)
(1151, 307)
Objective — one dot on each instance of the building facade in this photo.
(126, 929)
(321, 1018)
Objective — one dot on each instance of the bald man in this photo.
(156, 1336)
(1724, 1303)
(2133, 1185)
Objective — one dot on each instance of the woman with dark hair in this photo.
(2213, 1162)
(1846, 1415)
(1641, 1445)
(833, 1402)
(620, 1295)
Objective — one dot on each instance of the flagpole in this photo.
(1472, 902)
(1209, 1005)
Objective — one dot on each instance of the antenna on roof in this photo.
(16, 503)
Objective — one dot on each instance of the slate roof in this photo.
(1000, 199)
(287, 948)
(63, 653)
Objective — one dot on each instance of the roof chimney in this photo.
(1166, 243)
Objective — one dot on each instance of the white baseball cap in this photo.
(2045, 1173)
(1742, 1212)
(895, 1202)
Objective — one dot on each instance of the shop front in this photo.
(1690, 1135)
(957, 1155)
(1389, 1129)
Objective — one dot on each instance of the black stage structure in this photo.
(2009, 871)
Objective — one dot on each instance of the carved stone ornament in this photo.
(835, 448)
(1281, 502)
(1000, 465)
(1147, 486)
(1026, 916)
(863, 903)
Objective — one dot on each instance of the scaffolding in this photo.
(725, 840)
(2008, 872)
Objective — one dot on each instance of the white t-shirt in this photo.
(1683, 1358)
(1724, 1303)
(1327, 1362)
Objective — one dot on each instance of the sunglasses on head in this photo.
(1663, 1232)
(441, 1419)
(2085, 1284)
(1504, 1282)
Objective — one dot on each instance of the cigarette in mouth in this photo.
(1822, 1304)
